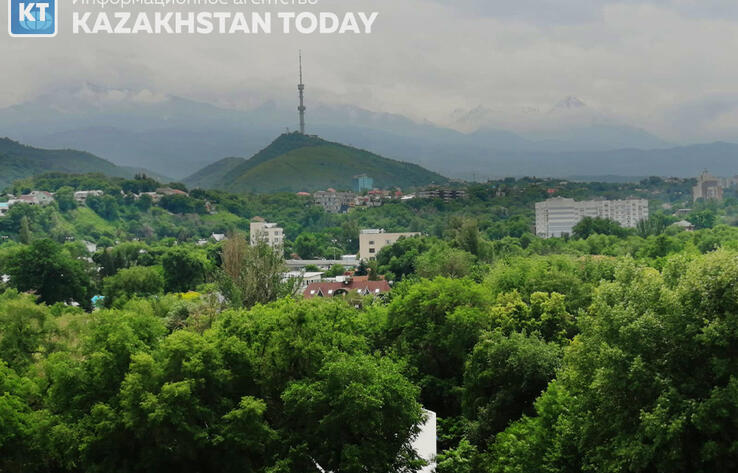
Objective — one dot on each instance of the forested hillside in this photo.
(18, 161)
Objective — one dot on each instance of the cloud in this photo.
(429, 59)
(563, 12)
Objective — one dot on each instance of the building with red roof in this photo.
(359, 284)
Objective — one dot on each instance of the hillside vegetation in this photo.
(211, 176)
(295, 162)
(18, 161)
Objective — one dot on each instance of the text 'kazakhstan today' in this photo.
(206, 22)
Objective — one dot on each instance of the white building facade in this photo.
(269, 233)
(371, 242)
(558, 216)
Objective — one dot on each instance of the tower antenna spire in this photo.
(301, 108)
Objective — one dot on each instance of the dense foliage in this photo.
(610, 351)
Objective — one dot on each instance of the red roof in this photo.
(361, 284)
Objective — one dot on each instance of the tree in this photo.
(122, 256)
(435, 324)
(26, 330)
(179, 407)
(183, 270)
(308, 246)
(358, 414)
(589, 226)
(105, 206)
(653, 225)
(503, 376)
(400, 260)
(336, 270)
(24, 233)
(144, 203)
(64, 198)
(252, 274)
(441, 260)
(702, 219)
(628, 397)
(19, 450)
(138, 281)
(182, 204)
(48, 269)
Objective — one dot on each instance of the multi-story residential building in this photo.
(333, 201)
(362, 183)
(269, 233)
(558, 216)
(371, 242)
(441, 193)
(708, 187)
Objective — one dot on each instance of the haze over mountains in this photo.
(178, 137)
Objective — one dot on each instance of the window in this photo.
(372, 250)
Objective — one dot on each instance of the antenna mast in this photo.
(301, 108)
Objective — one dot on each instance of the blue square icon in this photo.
(32, 19)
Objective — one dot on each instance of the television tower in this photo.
(301, 108)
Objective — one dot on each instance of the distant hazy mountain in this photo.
(570, 125)
(18, 161)
(175, 136)
(685, 161)
(295, 162)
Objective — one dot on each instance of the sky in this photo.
(667, 66)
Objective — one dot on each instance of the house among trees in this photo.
(34, 198)
(359, 284)
(81, 196)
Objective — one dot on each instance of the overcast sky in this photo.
(668, 66)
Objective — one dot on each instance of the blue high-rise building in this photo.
(363, 183)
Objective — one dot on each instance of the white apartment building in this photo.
(558, 216)
(372, 241)
(269, 233)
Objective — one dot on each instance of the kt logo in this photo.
(32, 19)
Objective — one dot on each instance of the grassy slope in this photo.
(295, 163)
(210, 176)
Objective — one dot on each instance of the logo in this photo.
(28, 19)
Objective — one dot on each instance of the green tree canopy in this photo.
(48, 269)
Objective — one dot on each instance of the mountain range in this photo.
(178, 137)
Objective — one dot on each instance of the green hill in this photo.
(211, 176)
(295, 162)
(18, 161)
